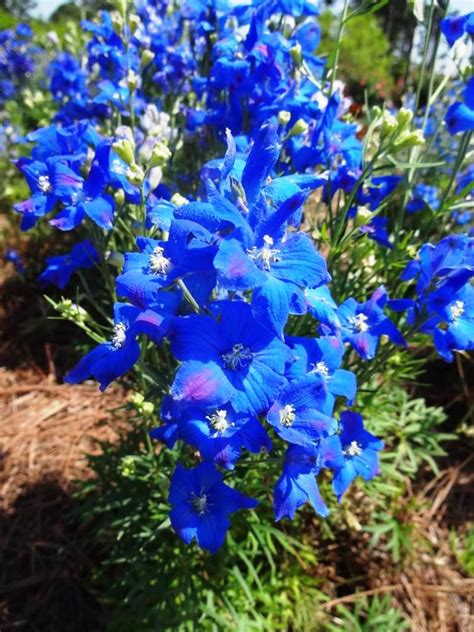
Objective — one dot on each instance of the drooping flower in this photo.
(362, 324)
(202, 503)
(60, 268)
(110, 360)
(297, 483)
(360, 449)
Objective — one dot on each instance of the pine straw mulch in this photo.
(45, 431)
(430, 586)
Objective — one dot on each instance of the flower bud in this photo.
(300, 127)
(115, 258)
(132, 80)
(121, 7)
(296, 54)
(363, 216)
(409, 139)
(128, 466)
(135, 175)
(389, 125)
(147, 57)
(178, 200)
(117, 22)
(404, 117)
(284, 117)
(71, 311)
(160, 155)
(119, 197)
(123, 148)
(134, 22)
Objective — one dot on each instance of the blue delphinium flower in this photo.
(322, 356)
(201, 505)
(300, 414)
(228, 358)
(220, 434)
(187, 253)
(460, 116)
(39, 176)
(454, 27)
(457, 318)
(297, 483)
(60, 268)
(423, 195)
(82, 198)
(110, 360)
(360, 449)
(362, 324)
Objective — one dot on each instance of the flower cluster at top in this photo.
(226, 275)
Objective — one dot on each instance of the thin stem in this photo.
(338, 45)
(188, 296)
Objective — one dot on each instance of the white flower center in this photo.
(353, 449)
(44, 184)
(359, 322)
(238, 358)
(321, 368)
(118, 168)
(158, 263)
(199, 504)
(287, 415)
(266, 255)
(218, 421)
(457, 309)
(119, 336)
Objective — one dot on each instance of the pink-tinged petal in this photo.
(203, 383)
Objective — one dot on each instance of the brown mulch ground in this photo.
(45, 431)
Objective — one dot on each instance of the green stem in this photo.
(338, 45)
(188, 296)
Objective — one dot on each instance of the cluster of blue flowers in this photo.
(17, 59)
(244, 267)
(222, 276)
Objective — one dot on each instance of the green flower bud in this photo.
(148, 408)
(119, 197)
(147, 57)
(128, 466)
(160, 155)
(178, 200)
(284, 117)
(363, 216)
(117, 22)
(115, 258)
(137, 399)
(300, 127)
(124, 149)
(377, 111)
(409, 139)
(296, 54)
(404, 117)
(122, 7)
(132, 80)
(389, 125)
(135, 175)
(134, 22)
